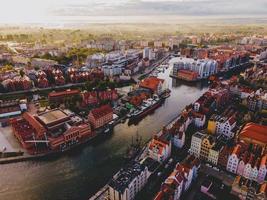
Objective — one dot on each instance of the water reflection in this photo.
(81, 172)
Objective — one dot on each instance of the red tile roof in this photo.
(34, 123)
(63, 93)
(101, 111)
(157, 143)
(255, 132)
(151, 83)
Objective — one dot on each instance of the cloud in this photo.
(41, 10)
(162, 7)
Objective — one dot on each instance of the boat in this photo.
(146, 107)
(166, 94)
(134, 148)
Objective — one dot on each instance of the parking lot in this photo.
(8, 141)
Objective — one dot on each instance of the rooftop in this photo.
(101, 111)
(151, 83)
(52, 116)
(63, 93)
(126, 175)
(254, 131)
(199, 135)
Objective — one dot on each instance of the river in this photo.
(78, 174)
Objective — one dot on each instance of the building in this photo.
(178, 129)
(179, 180)
(144, 43)
(114, 57)
(211, 100)
(158, 44)
(249, 161)
(248, 189)
(214, 188)
(262, 172)
(207, 144)
(199, 119)
(96, 60)
(128, 182)
(233, 159)
(17, 83)
(11, 108)
(51, 130)
(204, 68)
(99, 117)
(95, 97)
(224, 155)
(159, 149)
(172, 188)
(187, 75)
(223, 124)
(146, 52)
(59, 97)
(216, 150)
(196, 143)
(154, 84)
(254, 133)
(179, 139)
(112, 70)
(89, 98)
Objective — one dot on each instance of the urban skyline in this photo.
(133, 100)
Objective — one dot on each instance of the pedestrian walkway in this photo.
(4, 144)
(8, 142)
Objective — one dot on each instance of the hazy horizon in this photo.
(66, 12)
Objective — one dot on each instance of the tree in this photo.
(21, 72)
(89, 86)
(2, 89)
(102, 85)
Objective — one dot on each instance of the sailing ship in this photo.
(134, 148)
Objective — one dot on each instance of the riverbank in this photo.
(219, 74)
(103, 192)
(87, 166)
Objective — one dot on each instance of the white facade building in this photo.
(225, 126)
(112, 70)
(199, 120)
(233, 160)
(146, 52)
(179, 139)
(196, 142)
(128, 182)
(262, 172)
(204, 67)
(159, 150)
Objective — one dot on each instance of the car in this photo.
(208, 165)
(215, 168)
(159, 174)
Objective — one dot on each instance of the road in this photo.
(151, 68)
(155, 181)
(33, 90)
(70, 85)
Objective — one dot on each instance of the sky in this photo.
(31, 11)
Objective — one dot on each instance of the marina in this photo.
(85, 166)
